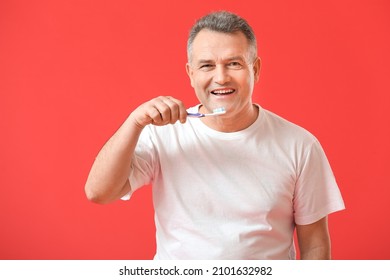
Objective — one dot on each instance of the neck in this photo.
(233, 121)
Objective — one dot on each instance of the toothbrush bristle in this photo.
(220, 110)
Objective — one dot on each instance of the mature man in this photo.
(229, 186)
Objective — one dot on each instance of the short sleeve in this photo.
(316, 192)
(144, 163)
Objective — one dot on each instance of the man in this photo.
(231, 186)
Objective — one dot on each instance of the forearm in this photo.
(108, 178)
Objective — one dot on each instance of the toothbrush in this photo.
(216, 112)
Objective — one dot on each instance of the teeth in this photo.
(222, 91)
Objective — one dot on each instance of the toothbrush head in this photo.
(219, 111)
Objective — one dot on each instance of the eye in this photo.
(235, 65)
(206, 67)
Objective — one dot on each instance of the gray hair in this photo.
(225, 22)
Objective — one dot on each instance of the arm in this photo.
(108, 178)
(314, 241)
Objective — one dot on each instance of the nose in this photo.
(221, 75)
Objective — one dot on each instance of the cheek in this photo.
(200, 82)
(248, 80)
(251, 82)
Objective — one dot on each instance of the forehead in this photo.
(212, 45)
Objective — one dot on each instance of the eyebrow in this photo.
(202, 61)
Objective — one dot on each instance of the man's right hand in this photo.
(108, 178)
(159, 111)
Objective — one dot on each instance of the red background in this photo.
(71, 71)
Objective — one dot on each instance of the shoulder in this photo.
(168, 134)
(283, 128)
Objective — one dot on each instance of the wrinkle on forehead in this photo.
(216, 47)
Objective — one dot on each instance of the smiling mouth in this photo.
(220, 92)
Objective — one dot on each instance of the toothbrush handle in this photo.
(195, 115)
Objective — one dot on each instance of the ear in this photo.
(257, 68)
(190, 73)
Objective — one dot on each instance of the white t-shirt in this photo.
(233, 195)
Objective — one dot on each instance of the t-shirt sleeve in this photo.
(316, 192)
(144, 163)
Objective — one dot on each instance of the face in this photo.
(223, 72)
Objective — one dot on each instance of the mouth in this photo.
(222, 92)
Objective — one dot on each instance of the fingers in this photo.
(159, 111)
(176, 110)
